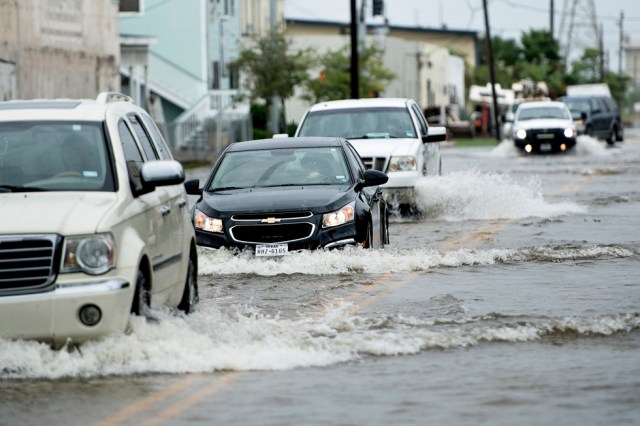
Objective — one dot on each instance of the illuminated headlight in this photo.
(206, 223)
(92, 254)
(521, 134)
(402, 164)
(339, 217)
(569, 132)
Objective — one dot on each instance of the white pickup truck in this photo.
(390, 134)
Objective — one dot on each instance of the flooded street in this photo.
(514, 299)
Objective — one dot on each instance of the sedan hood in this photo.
(544, 123)
(385, 147)
(54, 212)
(319, 199)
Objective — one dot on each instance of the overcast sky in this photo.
(508, 18)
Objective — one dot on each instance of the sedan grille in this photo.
(27, 263)
(375, 163)
(272, 233)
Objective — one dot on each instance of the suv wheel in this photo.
(190, 293)
(141, 297)
(613, 136)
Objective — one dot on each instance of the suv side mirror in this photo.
(436, 134)
(161, 173)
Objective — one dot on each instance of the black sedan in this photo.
(278, 195)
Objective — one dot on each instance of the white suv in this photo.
(390, 134)
(94, 220)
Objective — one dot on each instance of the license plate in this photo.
(545, 147)
(272, 249)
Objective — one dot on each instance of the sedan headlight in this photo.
(206, 223)
(339, 217)
(92, 254)
(569, 132)
(521, 134)
(403, 163)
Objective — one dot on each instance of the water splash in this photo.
(472, 195)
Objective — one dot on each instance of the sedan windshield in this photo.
(280, 167)
(359, 123)
(542, 112)
(53, 156)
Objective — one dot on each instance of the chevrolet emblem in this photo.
(270, 220)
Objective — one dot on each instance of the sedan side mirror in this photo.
(372, 178)
(193, 187)
(436, 134)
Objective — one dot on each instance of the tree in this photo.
(334, 78)
(272, 68)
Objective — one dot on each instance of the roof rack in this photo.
(106, 97)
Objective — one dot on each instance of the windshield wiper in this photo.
(14, 188)
(224, 188)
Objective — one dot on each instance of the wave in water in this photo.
(210, 340)
(472, 195)
(585, 146)
(355, 260)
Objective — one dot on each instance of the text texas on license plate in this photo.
(272, 249)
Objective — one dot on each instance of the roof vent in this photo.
(107, 97)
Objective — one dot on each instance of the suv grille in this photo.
(27, 263)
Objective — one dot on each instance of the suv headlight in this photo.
(92, 254)
(521, 134)
(206, 223)
(403, 163)
(339, 217)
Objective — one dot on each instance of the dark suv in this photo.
(596, 116)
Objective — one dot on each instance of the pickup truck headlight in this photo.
(521, 134)
(569, 132)
(403, 163)
(92, 254)
(339, 217)
(206, 223)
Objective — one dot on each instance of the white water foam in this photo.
(472, 195)
(210, 341)
(356, 260)
(585, 146)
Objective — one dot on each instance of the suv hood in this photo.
(64, 213)
(385, 147)
(544, 123)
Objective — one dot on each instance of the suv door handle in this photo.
(182, 202)
(165, 210)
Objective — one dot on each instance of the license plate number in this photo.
(272, 249)
(545, 147)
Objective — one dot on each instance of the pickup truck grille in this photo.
(28, 263)
(375, 163)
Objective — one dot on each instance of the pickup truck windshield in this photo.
(359, 123)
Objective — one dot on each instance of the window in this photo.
(132, 155)
(134, 6)
(158, 140)
(147, 146)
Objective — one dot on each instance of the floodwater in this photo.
(514, 299)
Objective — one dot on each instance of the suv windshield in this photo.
(54, 156)
(542, 112)
(359, 123)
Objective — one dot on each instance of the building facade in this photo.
(58, 48)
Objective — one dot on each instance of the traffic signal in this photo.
(378, 7)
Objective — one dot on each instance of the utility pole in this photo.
(492, 73)
(274, 113)
(621, 41)
(601, 48)
(551, 13)
(355, 72)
